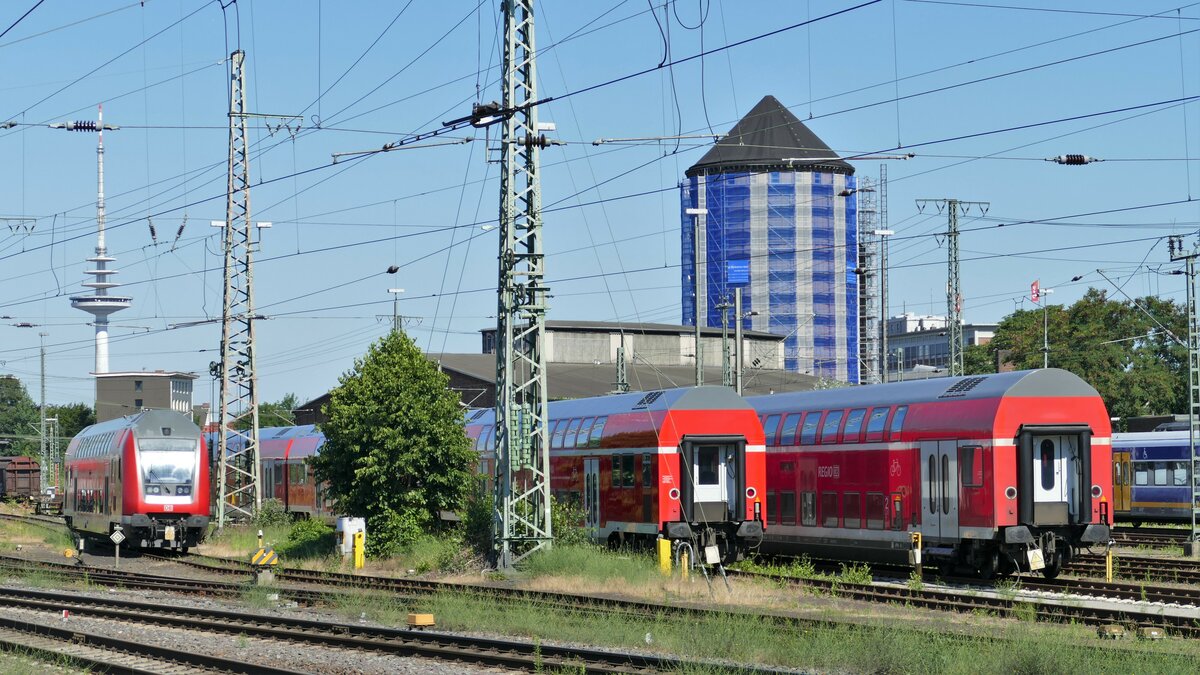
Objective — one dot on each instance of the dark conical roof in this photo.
(766, 136)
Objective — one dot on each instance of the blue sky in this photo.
(388, 69)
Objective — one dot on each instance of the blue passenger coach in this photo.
(1151, 480)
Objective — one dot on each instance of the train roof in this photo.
(1042, 383)
(281, 442)
(149, 422)
(661, 400)
(1150, 439)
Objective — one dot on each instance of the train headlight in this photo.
(183, 490)
(1010, 492)
(153, 490)
(1097, 492)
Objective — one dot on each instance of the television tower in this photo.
(99, 303)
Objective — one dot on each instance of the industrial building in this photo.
(120, 394)
(918, 345)
(776, 210)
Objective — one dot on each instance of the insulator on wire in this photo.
(153, 233)
(1073, 160)
(82, 125)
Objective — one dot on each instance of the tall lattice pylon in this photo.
(240, 492)
(1177, 252)
(522, 506)
(868, 284)
(954, 323)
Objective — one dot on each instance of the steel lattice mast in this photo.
(1177, 252)
(868, 285)
(240, 493)
(954, 329)
(522, 507)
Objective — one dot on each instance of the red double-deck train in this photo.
(997, 472)
(147, 473)
(685, 464)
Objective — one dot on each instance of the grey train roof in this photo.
(152, 421)
(1050, 382)
(687, 398)
(763, 139)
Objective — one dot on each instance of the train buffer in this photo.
(264, 560)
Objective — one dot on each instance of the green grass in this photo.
(239, 541)
(593, 563)
(837, 648)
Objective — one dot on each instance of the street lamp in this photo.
(695, 214)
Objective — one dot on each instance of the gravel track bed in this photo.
(299, 657)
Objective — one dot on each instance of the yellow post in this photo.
(914, 556)
(1108, 563)
(664, 557)
(683, 565)
(260, 539)
(360, 554)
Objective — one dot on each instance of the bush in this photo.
(271, 514)
(392, 531)
(477, 515)
(308, 539)
(566, 522)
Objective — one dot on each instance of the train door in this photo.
(1055, 484)
(939, 489)
(591, 496)
(1121, 481)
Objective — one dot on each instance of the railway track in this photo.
(1174, 570)
(442, 646)
(1155, 537)
(105, 654)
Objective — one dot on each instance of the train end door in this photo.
(716, 485)
(1122, 479)
(939, 490)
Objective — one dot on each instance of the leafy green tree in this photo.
(18, 417)
(278, 414)
(1131, 353)
(395, 449)
(72, 418)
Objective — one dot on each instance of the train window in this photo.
(1141, 474)
(627, 474)
(597, 432)
(970, 465)
(788, 435)
(572, 431)
(709, 459)
(932, 478)
(581, 441)
(772, 506)
(897, 423)
(479, 441)
(946, 484)
(770, 427)
(556, 437)
(876, 424)
(1047, 450)
(787, 508)
(1179, 474)
(616, 471)
(1160, 473)
(829, 430)
(852, 511)
(808, 431)
(853, 425)
(296, 474)
(647, 473)
(876, 510)
(808, 508)
(829, 509)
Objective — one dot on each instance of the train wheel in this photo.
(990, 566)
(1053, 566)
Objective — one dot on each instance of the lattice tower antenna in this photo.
(1175, 246)
(868, 283)
(883, 273)
(522, 500)
(240, 493)
(954, 329)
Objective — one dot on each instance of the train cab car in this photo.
(146, 472)
(998, 473)
(1151, 476)
(685, 464)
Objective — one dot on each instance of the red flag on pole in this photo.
(1035, 291)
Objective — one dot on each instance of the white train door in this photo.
(939, 490)
(591, 496)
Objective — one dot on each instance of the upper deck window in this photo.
(557, 437)
(581, 439)
(572, 431)
(788, 435)
(808, 431)
(897, 423)
(854, 425)
(770, 427)
(597, 431)
(876, 424)
(829, 430)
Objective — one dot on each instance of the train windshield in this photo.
(167, 460)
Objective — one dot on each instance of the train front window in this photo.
(167, 460)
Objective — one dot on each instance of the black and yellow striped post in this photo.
(263, 560)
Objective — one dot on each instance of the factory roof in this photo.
(770, 138)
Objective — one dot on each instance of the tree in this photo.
(395, 449)
(18, 417)
(278, 414)
(1131, 353)
(72, 418)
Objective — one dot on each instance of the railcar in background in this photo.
(1152, 477)
(286, 473)
(685, 464)
(145, 472)
(997, 472)
(20, 478)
